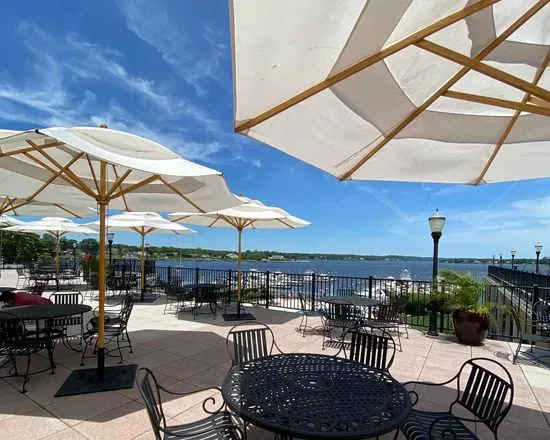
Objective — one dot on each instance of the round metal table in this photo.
(356, 300)
(311, 396)
(45, 311)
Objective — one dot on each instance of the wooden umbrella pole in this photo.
(57, 256)
(239, 271)
(142, 263)
(102, 202)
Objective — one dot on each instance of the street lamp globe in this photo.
(538, 248)
(513, 253)
(110, 237)
(437, 222)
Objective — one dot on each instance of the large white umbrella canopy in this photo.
(408, 90)
(252, 214)
(35, 208)
(56, 226)
(144, 223)
(83, 165)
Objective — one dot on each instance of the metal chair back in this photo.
(486, 395)
(340, 310)
(38, 288)
(388, 312)
(13, 333)
(67, 298)
(150, 392)
(368, 346)
(248, 341)
(541, 310)
(125, 311)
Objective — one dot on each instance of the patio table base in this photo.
(238, 317)
(86, 380)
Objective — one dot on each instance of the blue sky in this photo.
(162, 69)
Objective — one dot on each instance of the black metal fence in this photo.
(283, 290)
(516, 277)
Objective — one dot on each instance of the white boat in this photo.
(405, 275)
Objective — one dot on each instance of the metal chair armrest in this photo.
(462, 419)
(194, 434)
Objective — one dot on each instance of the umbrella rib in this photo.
(69, 173)
(497, 102)
(92, 172)
(55, 176)
(512, 122)
(118, 184)
(363, 64)
(66, 210)
(179, 193)
(214, 222)
(5, 202)
(284, 223)
(451, 82)
(485, 69)
(62, 170)
(33, 148)
(134, 187)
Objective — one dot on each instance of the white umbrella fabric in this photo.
(83, 165)
(412, 90)
(56, 226)
(35, 208)
(252, 214)
(143, 223)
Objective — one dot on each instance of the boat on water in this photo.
(405, 275)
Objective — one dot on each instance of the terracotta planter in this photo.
(470, 328)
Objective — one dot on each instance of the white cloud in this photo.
(151, 22)
(62, 71)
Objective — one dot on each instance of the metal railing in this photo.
(516, 277)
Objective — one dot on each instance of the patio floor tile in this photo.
(31, 426)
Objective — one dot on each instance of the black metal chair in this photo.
(541, 310)
(16, 341)
(217, 424)
(338, 316)
(116, 319)
(486, 395)
(369, 346)
(37, 288)
(23, 277)
(389, 317)
(61, 325)
(529, 337)
(306, 313)
(250, 340)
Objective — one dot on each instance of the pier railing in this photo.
(283, 290)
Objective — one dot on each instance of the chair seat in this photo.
(417, 427)
(188, 431)
(344, 323)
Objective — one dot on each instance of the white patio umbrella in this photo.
(83, 165)
(56, 226)
(144, 223)
(252, 214)
(413, 90)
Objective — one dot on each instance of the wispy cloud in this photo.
(151, 22)
(384, 199)
(69, 81)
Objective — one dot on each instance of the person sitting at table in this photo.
(13, 298)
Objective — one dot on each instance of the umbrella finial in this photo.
(103, 125)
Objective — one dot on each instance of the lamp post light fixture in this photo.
(500, 261)
(538, 250)
(513, 254)
(110, 238)
(437, 222)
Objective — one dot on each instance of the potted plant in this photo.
(471, 318)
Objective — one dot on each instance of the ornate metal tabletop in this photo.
(312, 396)
(46, 311)
(356, 300)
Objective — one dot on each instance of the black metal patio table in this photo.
(311, 396)
(44, 311)
(204, 293)
(356, 300)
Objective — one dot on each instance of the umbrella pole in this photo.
(142, 265)
(239, 272)
(102, 202)
(57, 257)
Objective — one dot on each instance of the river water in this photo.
(418, 270)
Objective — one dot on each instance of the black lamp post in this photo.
(513, 254)
(538, 250)
(110, 238)
(493, 259)
(436, 221)
(500, 261)
(74, 255)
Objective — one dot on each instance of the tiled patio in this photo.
(187, 354)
